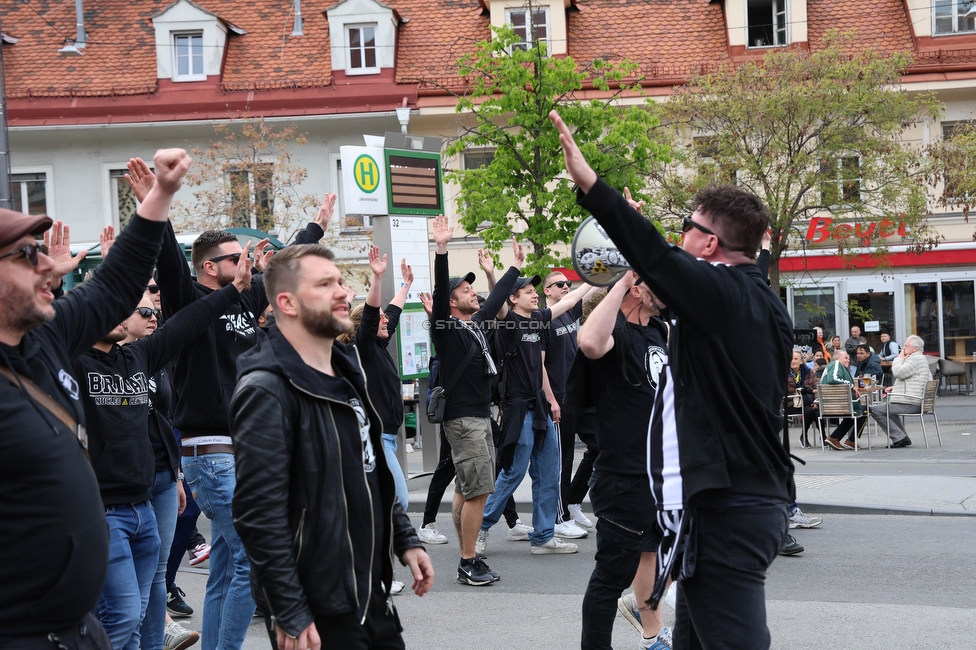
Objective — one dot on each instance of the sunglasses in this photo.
(29, 251)
(562, 284)
(687, 224)
(233, 257)
(152, 288)
(147, 312)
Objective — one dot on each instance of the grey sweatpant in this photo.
(893, 411)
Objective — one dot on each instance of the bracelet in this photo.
(179, 477)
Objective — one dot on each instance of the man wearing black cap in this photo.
(527, 429)
(456, 330)
(53, 536)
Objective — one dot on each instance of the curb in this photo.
(848, 509)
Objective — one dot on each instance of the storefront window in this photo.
(922, 314)
(959, 315)
(814, 307)
(880, 306)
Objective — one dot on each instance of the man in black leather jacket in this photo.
(315, 504)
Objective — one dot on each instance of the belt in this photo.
(200, 450)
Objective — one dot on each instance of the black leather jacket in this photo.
(289, 505)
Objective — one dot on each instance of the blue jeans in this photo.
(389, 450)
(165, 503)
(133, 554)
(544, 472)
(228, 606)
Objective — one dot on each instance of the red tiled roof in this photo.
(884, 27)
(437, 34)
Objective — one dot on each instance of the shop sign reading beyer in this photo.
(823, 229)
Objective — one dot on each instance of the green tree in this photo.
(810, 134)
(511, 89)
(245, 178)
(955, 168)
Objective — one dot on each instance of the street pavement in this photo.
(891, 567)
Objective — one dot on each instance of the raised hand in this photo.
(443, 232)
(484, 260)
(579, 170)
(376, 262)
(58, 242)
(637, 205)
(171, 166)
(326, 210)
(519, 253)
(140, 178)
(106, 240)
(261, 258)
(427, 302)
(406, 272)
(767, 239)
(243, 278)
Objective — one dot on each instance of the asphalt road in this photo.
(865, 581)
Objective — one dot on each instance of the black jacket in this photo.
(206, 371)
(380, 368)
(727, 397)
(115, 391)
(289, 504)
(53, 537)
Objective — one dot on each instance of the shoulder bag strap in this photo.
(460, 369)
(50, 405)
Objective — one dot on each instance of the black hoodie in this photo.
(115, 391)
(53, 537)
(381, 370)
(206, 371)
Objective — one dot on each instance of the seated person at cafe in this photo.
(889, 348)
(868, 363)
(838, 372)
(812, 363)
(911, 372)
(800, 380)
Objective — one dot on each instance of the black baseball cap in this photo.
(454, 283)
(524, 282)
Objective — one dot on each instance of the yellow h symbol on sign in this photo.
(366, 173)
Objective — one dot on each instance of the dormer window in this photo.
(361, 41)
(955, 16)
(188, 52)
(766, 23)
(530, 25)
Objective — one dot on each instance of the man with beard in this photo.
(204, 380)
(54, 545)
(315, 504)
(115, 392)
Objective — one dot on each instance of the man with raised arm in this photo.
(720, 473)
(204, 379)
(456, 330)
(54, 546)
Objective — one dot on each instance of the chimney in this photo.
(298, 31)
(81, 38)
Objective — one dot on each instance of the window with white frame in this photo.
(766, 23)
(361, 41)
(840, 180)
(949, 131)
(954, 16)
(476, 158)
(29, 193)
(250, 195)
(188, 57)
(530, 25)
(351, 223)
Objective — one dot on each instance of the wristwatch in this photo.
(179, 477)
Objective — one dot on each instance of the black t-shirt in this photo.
(623, 384)
(160, 402)
(523, 372)
(361, 485)
(559, 342)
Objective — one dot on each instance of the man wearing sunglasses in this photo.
(128, 448)
(204, 378)
(720, 472)
(54, 545)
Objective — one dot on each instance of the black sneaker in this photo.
(790, 546)
(904, 442)
(175, 604)
(484, 567)
(472, 572)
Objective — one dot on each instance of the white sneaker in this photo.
(555, 546)
(800, 520)
(429, 535)
(519, 532)
(576, 512)
(200, 553)
(177, 637)
(396, 587)
(481, 544)
(569, 530)
(671, 597)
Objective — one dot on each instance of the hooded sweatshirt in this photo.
(53, 536)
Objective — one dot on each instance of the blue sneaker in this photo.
(660, 642)
(627, 604)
